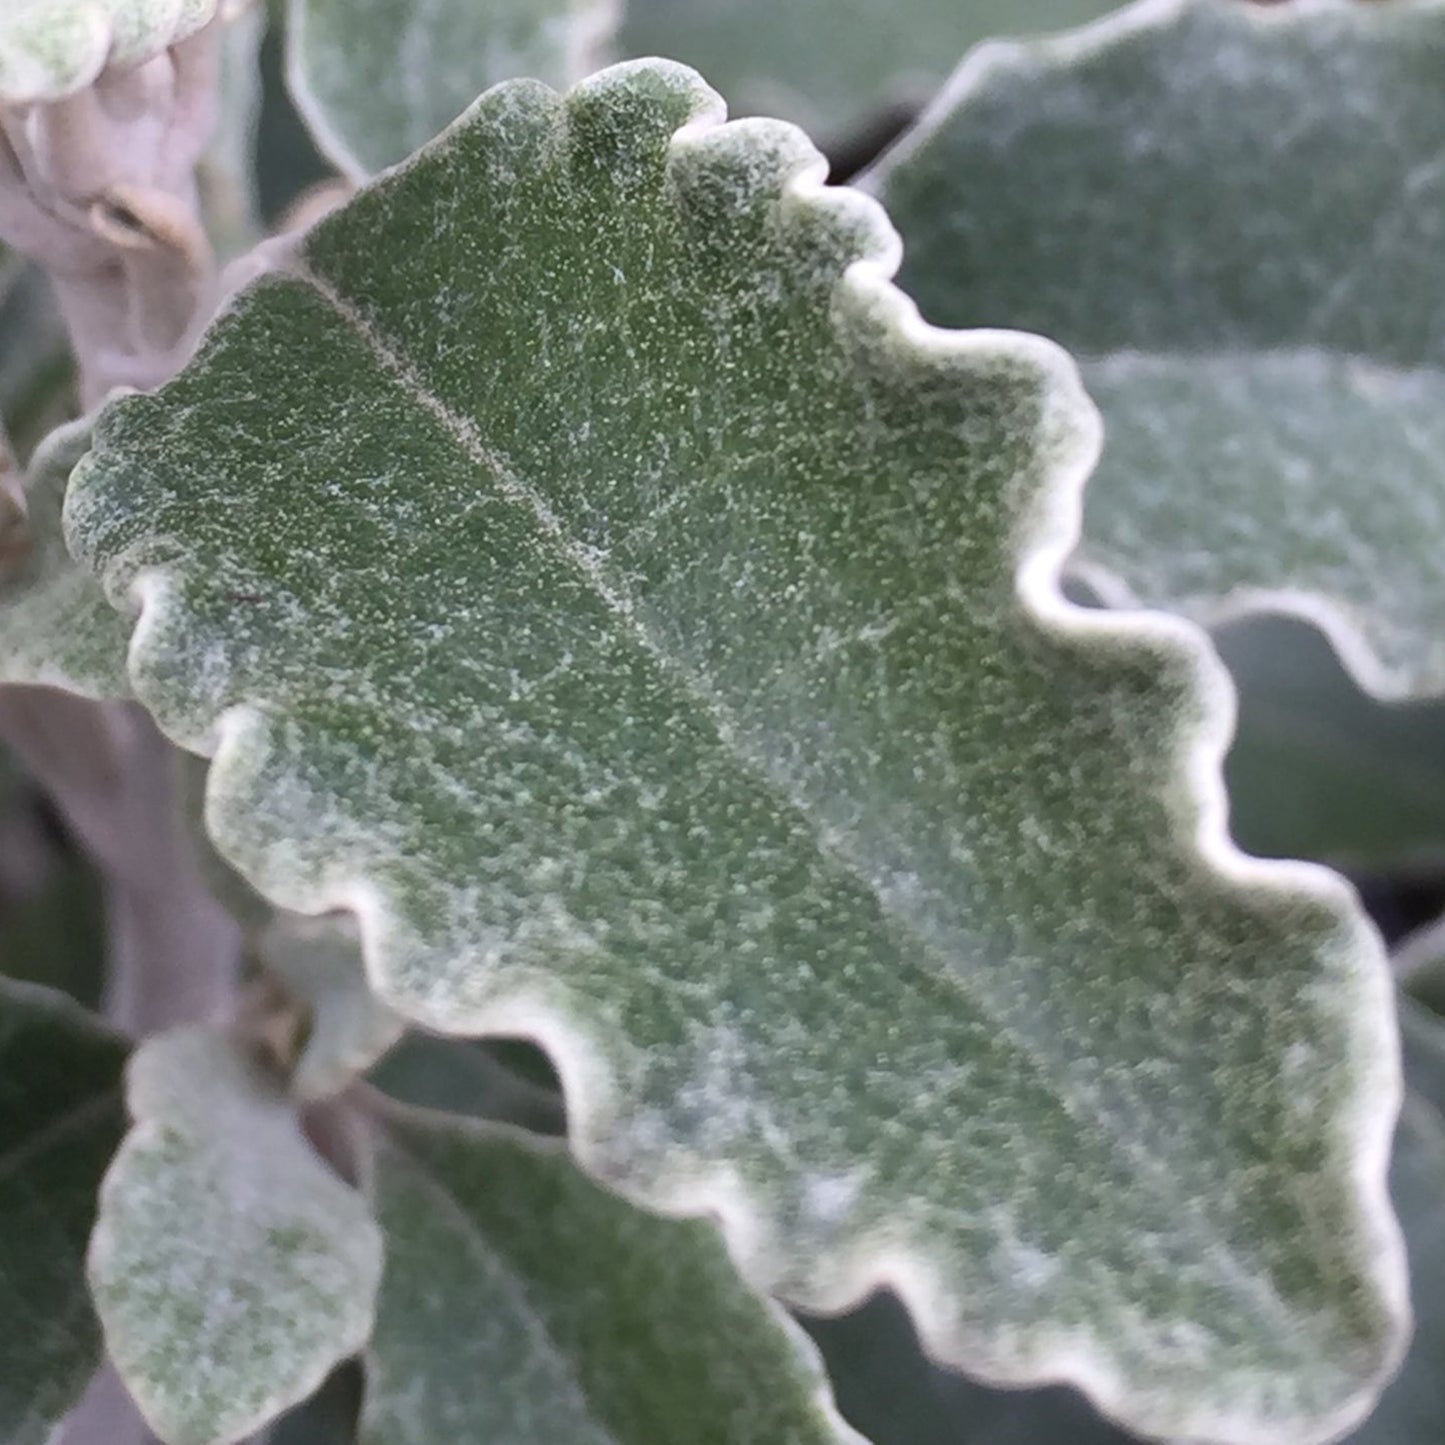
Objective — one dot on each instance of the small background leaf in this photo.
(231, 1268)
(61, 1118)
(56, 628)
(376, 79)
(523, 1303)
(827, 64)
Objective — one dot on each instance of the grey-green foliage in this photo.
(231, 1267)
(56, 629)
(53, 48)
(1231, 213)
(521, 1303)
(828, 64)
(375, 79)
(892, 1393)
(61, 1117)
(614, 596)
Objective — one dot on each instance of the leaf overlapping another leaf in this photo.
(523, 1303)
(231, 1268)
(651, 629)
(56, 628)
(1231, 213)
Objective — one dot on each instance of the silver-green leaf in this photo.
(56, 628)
(376, 79)
(1232, 214)
(521, 1303)
(230, 1266)
(623, 602)
(828, 64)
(61, 1119)
(51, 48)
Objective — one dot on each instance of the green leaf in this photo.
(523, 1303)
(1231, 213)
(827, 63)
(320, 961)
(61, 1119)
(653, 634)
(890, 1391)
(56, 629)
(51, 931)
(50, 48)
(376, 79)
(231, 1268)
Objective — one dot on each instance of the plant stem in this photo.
(173, 950)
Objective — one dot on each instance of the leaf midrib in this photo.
(1131, 1152)
(479, 1244)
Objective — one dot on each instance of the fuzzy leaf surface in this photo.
(654, 636)
(891, 1392)
(827, 63)
(231, 1268)
(61, 1119)
(483, 1334)
(1231, 214)
(56, 628)
(376, 79)
(51, 48)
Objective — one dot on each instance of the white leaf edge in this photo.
(1052, 531)
(1334, 619)
(64, 588)
(147, 1090)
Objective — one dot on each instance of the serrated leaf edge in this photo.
(145, 1132)
(1365, 1130)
